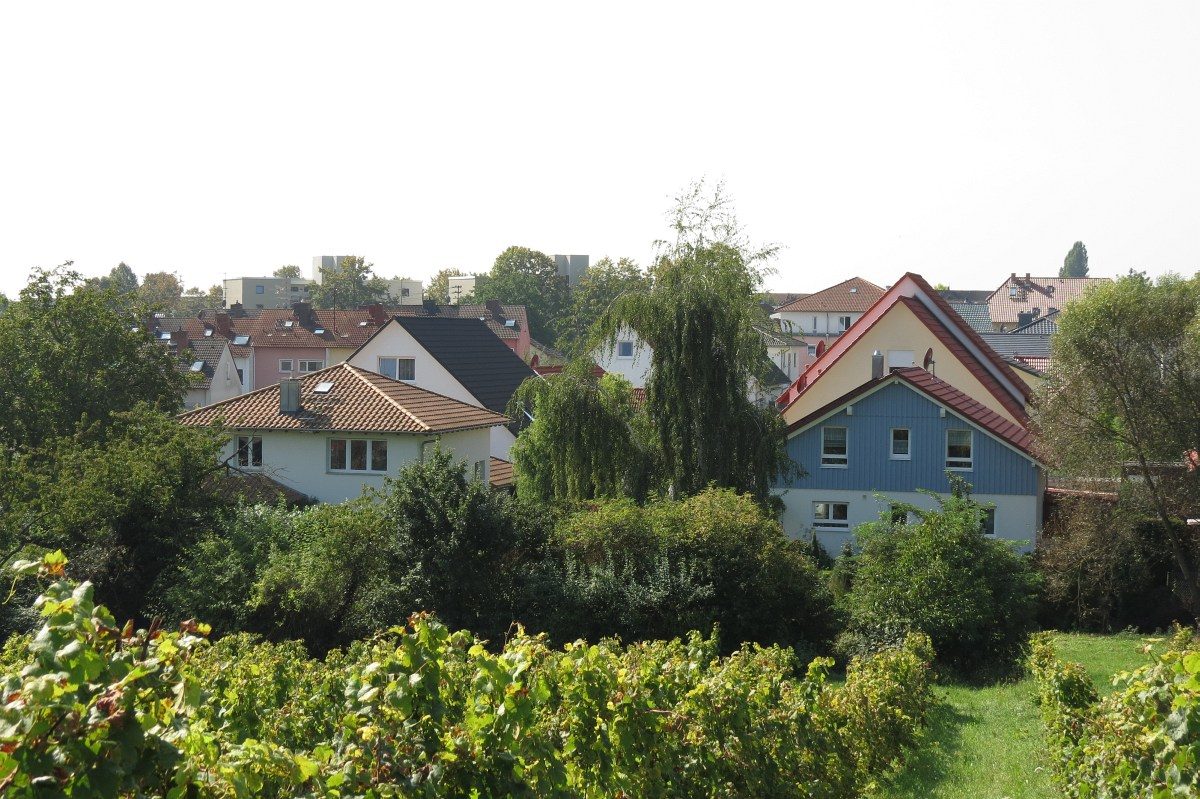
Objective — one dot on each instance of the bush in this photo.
(1142, 740)
(659, 570)
(423, 711)
(1105, 569)
(974, 596)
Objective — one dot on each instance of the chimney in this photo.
(493, 307)
(876, 365)
(179, 339)
(429, 307)
(1027, 278)
(221, 323)
(235, 310)
(377, 314)
(289, 395)
(304, 314)
(1025, 317)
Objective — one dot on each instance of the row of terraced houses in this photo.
(886, 391)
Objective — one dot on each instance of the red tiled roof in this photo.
(854, 296)
(500, 473)
(879, 309)
(342, 328)
(943, 393)
(1042, 293)
(357, 402)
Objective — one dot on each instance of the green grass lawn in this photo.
(985, 743)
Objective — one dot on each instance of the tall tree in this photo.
(439, 285)
(698, 319)
(121, 280)
(1076, 262)
(587, 438)
(73, 354)
(289, 271)
(521, 276)
(161, 291)
(1125, 389)
(350, 284)
(195, 300)
(600, 285)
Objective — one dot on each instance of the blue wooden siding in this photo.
(997, 469)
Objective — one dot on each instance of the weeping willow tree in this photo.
(698, 321)
(587, 440)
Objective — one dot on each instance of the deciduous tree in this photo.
(349, 284)
(1076, 262)
(521, 276)
(161, 291)
(596, 291)
(439, 286)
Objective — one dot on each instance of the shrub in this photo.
(662, 569)
(425, 711)
(1142, 740)
(974, 596)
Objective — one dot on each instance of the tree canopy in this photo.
(76, 354)
(698, 319)
(1076, 262)
(121, 280)
(161, 291)
(349, 284)
(521, 276)
(1125, 389)
(290, 271)
(600, 285)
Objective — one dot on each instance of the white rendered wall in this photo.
(393, 341)
(636, 368)
(1018, 517)
(299, 460)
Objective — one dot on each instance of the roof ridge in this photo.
(361, 373)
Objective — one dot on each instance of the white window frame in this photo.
(961, 464)
(892, 454)
(831, 457)
(621, 344)
(849, 320)
(247, 449)
(830, 520)
(397, 359)
(812, 350)
(348, 440)
(291, 364)
(305, 366)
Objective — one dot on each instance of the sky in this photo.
(960, 140)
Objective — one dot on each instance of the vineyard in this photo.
(1143, 740)
(94, 709)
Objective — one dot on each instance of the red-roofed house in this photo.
(907, 393)
(829, 313)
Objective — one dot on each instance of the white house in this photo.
(458, 357)
(335, 432)
(214, 373)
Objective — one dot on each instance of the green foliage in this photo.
(972, 595)
(595, 292)
(1141, 740)
(1125, 389)
(586, 440)
(288, 271)
(521, 276)
(1076, 262)
(349, 284)
(658, 570)
(160, 291)
(427, 712)
(121, 279)
(76, 355)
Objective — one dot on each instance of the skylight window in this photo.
(164, 335)
(289, 323)
(319, 331)
(241, 341)
(323, 388)
(363, 324)
(198, 366)
(510, 322)
(208, 332)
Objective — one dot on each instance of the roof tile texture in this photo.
(1042, 293)
(852, 296)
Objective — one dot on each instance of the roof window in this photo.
(510, 322)
(323, 388)
(318, 331)
(208, 332)
(241, 341)
(198, 366)
(289, 323)
(363, 323)
(165, 335)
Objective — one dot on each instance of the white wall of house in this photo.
(224, 384)
(812, 323)
(393, 341)
(300, 460)
(634, 367)
(1018, 517)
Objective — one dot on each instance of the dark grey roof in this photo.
(966, 295)
(974, 314)
(206, 352)
(1012, 344)
(1046, 325)
(773, 375)
(471, 352)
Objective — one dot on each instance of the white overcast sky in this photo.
(961, 140)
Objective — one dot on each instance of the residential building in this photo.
(401, 291)
(510, 323)
(1021, 300)
(896, 436)
(975, 314)
(336, 432)
(822, 317)
(455, 357)
(266, 292)
(214, 375)
(788, 352)
(910, 391)
(462, 288)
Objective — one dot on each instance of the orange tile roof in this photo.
(358, 402)
(500, 473)
(1042, 293)
(853, 296)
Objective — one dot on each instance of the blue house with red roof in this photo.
(876, 420)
